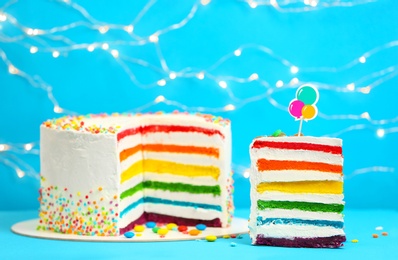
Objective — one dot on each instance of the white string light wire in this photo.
(44, 37)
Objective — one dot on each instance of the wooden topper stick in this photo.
(301, 125)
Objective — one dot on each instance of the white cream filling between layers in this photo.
(297, 155)
(126, 202)
(295, 175)
(302, 139)
(183, 139)
(182, 211)
(316, 198)
(292, 231)
(298, 214)
(125, 164)
(128, 142)
(131, 183)
(184, 158)
(184, 196)
(171, 178)
(131, 216)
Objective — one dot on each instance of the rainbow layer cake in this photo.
(103, 174)
(297, 192)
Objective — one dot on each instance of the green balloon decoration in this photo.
(307, 94)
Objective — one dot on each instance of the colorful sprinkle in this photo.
(194, 232)
(379, 228)
(150, 224)
(375, 235)
(278, 133)
(171, 226)
(155, 230)
(77, 123)
(139, 228)
(354, 241)
(163, 231)
(211, 238)
(384, 234)
(226, 236)
(201, 227)
(182, 228)
(129, 234)
(233, 236)
(76, 214)
(233, 244)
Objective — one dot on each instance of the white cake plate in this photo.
(28, 228)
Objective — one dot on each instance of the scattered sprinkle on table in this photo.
(163, 231)
(233, 236)
(171, 226)
(375, 235)
(194, 232)
(129, 234)
(354, 241)
(226, 236)
(233, 244)
(384, 233)
(201, 227)
(150, 224)
(211, 238)
(139, 228)
(155, 229)
(182, 228)
(379, 228)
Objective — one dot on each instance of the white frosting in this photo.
(257, 177)
(125, 164)
(83, 162)
(294, 175)
(184, 196)
(317, 198)
(165, 177)
(193, 159)
(297, 155)
(183, 212)
(302, 139)
(299, 214)
(291, 231)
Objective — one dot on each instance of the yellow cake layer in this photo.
(320, 187)
(159, 166)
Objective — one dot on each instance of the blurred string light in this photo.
(299, 6)
(40, 39)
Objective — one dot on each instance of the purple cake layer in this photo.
(317, 242)
(159, 218)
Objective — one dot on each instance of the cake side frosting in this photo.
(296, 192)
(79, 187)
(130, 169)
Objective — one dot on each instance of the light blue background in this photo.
(93, 82)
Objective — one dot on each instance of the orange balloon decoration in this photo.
(309, 112)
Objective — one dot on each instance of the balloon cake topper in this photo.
(303, 107)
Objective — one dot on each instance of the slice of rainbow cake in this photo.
(297, 192)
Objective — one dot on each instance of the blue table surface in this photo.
(360, 224)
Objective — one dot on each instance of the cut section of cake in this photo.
(296, 192)
(102, 175)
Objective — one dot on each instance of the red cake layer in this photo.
(167, 129)
(317, 242)
(159, 218)
(298, 146)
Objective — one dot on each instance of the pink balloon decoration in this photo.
(295, 108)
